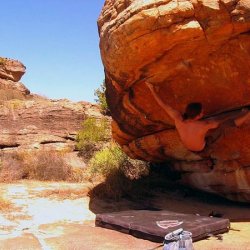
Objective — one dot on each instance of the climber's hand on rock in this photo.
(149, 84)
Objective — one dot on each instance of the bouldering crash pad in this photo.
(154, 225)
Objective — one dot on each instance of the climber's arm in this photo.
(213, 124)
(175, 115)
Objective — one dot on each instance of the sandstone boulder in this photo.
(192, 51)
(11, 69)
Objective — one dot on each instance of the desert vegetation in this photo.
(101, 99)
(62, 194)
(105, 163)
(120, 173)
(93, 135)
(40, 165)
(5, 205)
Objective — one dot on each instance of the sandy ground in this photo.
(48, 223)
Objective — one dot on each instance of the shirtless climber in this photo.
(191, 129)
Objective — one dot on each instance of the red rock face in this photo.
(192, 51)
(31, 122)
(11, 69)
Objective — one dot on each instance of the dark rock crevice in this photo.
(9, 146)
(51, 142)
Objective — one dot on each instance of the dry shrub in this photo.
(5, 205)
(53, 166)
(46, 166)
(62, 194)
(11, 168)
(135, 169)
(40, 165)
(78, 175)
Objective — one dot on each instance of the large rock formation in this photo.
(11, 69)
(31, 122)
(192, 51)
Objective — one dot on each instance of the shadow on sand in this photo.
(158, 192)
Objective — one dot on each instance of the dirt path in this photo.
(42, 221)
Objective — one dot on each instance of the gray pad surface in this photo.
(154, 225)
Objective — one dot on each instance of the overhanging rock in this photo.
(192, 51)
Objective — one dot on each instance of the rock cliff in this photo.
(31, 122)
(191, 51)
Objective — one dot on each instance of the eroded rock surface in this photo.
(31, 122)
(192, 51)
(11, 69)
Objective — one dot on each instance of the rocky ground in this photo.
(61, 216)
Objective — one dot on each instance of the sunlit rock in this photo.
(192, 51)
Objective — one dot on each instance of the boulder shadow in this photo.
(160, 191)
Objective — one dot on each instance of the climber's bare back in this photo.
(193, 133)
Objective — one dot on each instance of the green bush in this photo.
(112, 158)
(101, 99)
(107, 160)
(118, 170)
(94, 132)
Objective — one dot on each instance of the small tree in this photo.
(101, 99)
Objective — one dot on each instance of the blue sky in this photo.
(57, 40)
